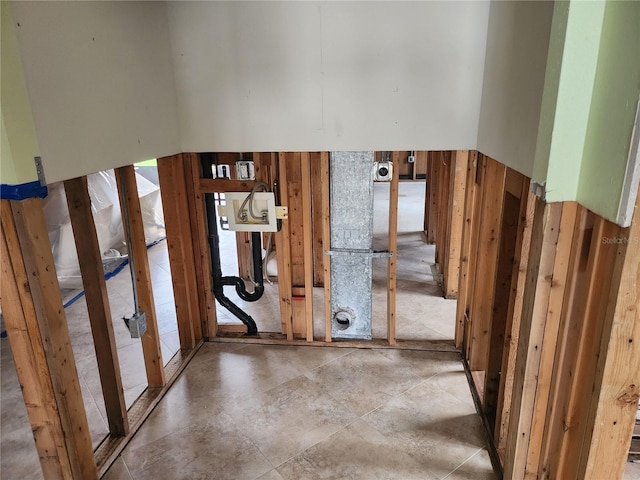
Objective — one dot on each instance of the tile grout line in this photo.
(459, 466)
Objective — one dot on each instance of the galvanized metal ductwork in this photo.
(351, 204)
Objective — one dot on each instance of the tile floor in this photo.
(275, 412)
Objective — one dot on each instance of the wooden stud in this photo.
(518, 280)
(464, 281)
(585, 331)
(443, 224)
(316, 207)
(544, 238)
(392, 262)
(127, 188)
(202, 256)
(45, 291)
(455, 212)
(243, 252)
(567, 344)
(95, 290)
(500, 308)
(180, 246)
(326, 241)
(283, 254)
(486, 267)
(29, 355)
(307, 225)
(617, 392)
(432, 179)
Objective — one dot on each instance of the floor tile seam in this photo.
(340, 430)
(460, 466)
(344, 354)
(105, 420)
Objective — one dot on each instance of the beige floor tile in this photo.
(188, 402)
(356, 452)
(212, 449)
(364, 379)
(434, 427)
(290, 418)
(118, 471)
(477, 467)
(272, 475)
(632, 471)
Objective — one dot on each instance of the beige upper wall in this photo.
(273, 76)
(514, 74)
(112, 83)
(100, 82)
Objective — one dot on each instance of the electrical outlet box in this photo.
(137, 324)
(411, 159)
(240, 219)
(245, 170)
(382, 171)
(224, 171)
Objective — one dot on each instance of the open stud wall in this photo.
(547, 317)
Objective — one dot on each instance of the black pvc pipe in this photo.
(220, 281)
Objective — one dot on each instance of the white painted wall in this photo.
(273, 76)
(516, 58)
(112, 83)
(100, 82)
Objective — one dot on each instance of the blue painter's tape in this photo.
(23, 191)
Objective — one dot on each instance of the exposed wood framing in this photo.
(30, 359)
(617, 392)
(392, 262)
(283, 254)
(488, 243)
(307, 230)
(127, 187)
(326, 242)
(443, 214)
(175, 203)
(465, 281)
(316, 207)
(432, 195)
(37, 318)
(500, 320)
(514, 315)
(455, 217)
(95, 290)
(201, 252)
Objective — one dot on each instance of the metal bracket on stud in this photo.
(282, 213)
(40, 170)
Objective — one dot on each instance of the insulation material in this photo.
(106, 213)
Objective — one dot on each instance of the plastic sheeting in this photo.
(106, 213)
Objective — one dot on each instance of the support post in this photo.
(48, 326)
(455, 212)
(326, 242)
(95, 290)
(173, 189)
(392, 262)
(283, 254)
(127, 188)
